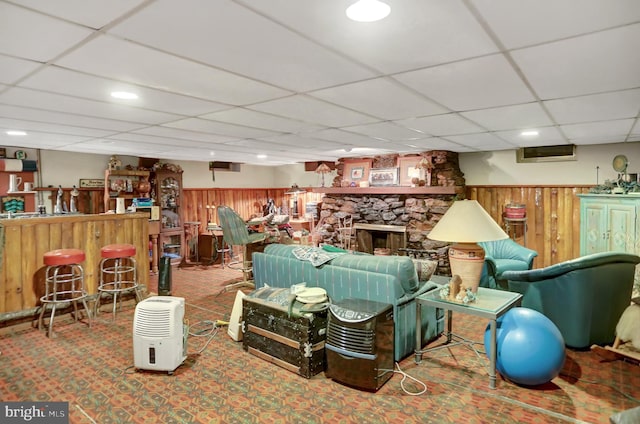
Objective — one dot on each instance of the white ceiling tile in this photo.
(303, 142)
(52, 128)
(526, 22)
(448, 124)
(242, 116)
(436, 143)
(347, 138)
(117, 146)
(219, 128)
(18, 112)
(387, 131)
(528, 115)
(299, 79)
(124, 61)
(471, 84)
(151, 139)
(312, 110)
(181, 134)
(416, 34)
(237, 38)
(481, 142)
(77, 84)
(547, 136)
(380, 97)
(28, 34)
(604, 61)
(607, 131)
(13, 69)
(36, 139)
(607, 106)
(94, 14)
(73, 105)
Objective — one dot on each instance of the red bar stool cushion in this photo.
(64, 257)
(112, 251)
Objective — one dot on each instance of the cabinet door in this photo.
(621, 220)
(169, 196)
(593, 221)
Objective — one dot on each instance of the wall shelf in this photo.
(389, 190)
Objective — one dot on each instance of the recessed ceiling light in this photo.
(124, 95)
(16, 132)
(530, 133)
(212, 153)
(368, 11)
(261, 156)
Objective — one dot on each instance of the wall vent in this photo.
(563, 152)
(224, 166)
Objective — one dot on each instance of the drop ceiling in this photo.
(232, 80)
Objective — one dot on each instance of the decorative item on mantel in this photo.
(294, 191)
(424, 167)
(465, 223)
(114, 163)
(322, 169)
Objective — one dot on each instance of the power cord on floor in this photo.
(398, 370)
(206, 328)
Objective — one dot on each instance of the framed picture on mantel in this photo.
(356, 170)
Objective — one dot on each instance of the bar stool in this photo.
(118, 273)
(64, 283)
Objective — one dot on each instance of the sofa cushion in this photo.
(400, 267)
(425, 268)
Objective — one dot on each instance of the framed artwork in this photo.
(356, 170)
(407, 169)
(12, 203)
(383, 177)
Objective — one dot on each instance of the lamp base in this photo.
(466, 260)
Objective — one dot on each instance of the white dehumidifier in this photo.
(159, 334)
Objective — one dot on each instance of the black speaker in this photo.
(359, 344)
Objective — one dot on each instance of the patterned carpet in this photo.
(92, 369)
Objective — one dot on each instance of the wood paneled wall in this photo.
(553, 217)
(553, 212)
(247, 202)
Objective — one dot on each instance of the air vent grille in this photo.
(357, 340)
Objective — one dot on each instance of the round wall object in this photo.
(620, 163)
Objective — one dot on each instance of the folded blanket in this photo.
(315, 255)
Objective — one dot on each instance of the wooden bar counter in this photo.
(27, 239)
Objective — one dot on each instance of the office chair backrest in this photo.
(234, 229)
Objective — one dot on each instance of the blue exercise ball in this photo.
(530, 349)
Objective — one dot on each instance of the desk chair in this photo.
(235, 233)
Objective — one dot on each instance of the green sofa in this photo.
(584, 297)
(387, 279)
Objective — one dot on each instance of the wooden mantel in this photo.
(389, 190)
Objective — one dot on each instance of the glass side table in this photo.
(490, 304)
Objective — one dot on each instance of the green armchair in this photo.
(584, 297)
(503, 255)
(236, 233)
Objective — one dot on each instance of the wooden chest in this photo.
(278, 329)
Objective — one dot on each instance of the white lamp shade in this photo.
(467, 222)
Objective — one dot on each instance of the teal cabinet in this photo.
(609, 223)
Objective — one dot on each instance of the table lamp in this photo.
(322, 169)
(465, 223)
(294, 191)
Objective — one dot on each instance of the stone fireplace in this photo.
(398, 217)
(371, 237)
